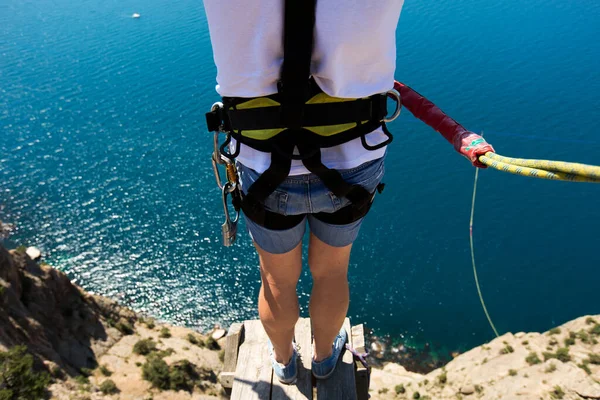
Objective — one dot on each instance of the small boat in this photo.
(135, 15)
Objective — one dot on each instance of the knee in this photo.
(328, 277)
(326, 272)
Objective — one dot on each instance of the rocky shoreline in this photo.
(83, 347)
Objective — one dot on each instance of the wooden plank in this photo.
(361, 374)
(253, 373)
(341, 385)
(302, 389)
(232, 344)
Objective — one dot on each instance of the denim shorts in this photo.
(306, 195)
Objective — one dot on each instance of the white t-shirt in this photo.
(354, 56)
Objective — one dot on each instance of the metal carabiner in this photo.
(395, 95)
(215, 167)
(229, 227)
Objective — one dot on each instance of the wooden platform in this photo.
(249, 375)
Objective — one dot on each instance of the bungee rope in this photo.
(543, 169)
(487, 314)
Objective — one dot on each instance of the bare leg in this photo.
(330, 293)
(278, 301)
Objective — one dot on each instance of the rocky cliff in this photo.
(563, 363)
(93, 348)
(82, 341)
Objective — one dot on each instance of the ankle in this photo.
(284, 358)
(320, 356)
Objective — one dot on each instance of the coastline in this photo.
(82, 341)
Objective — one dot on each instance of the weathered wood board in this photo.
(253, 373)
(341, 385)
(248, 370)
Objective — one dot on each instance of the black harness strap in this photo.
(294, 90)
(369, 109)
(294, 87)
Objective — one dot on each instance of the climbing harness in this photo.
(295, 124)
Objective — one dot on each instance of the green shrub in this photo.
(86, 371)
(21, 249)
(507, 349)
(165, 353)
(443, 377)
(533, 358)
(18, 380)
(590, 321)
(525, 342)
(144, 347)
(400, 389)
(554, 331)
(550, 368)
(416, 395)
(595, 330)
(212, 344)
(82, 380)
(561, 354)
(124, 327)
(512, 372)
(557, 393)
(569, 341)
(383, 390)
(165, 333)
(109, 387)
(479, 388)
(105, 371)
(583, 336)
(584, 366)
(594, 359)
(192, 338)
(149, 322)
(138, 364)
(57, 372)
(156, 371)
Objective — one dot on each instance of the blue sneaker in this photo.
(285, 373)
(323, 369)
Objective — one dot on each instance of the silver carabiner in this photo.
(229, 227)
(215, 167)
(395, 95)
(218, 159)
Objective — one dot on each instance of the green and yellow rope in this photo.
(543, 169)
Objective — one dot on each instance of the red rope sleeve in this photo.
(429, 113)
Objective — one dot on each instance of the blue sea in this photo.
(105, 166)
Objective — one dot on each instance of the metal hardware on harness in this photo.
(217, 157)
(395, 95)
(229, 227)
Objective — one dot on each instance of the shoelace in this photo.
(362, 357)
